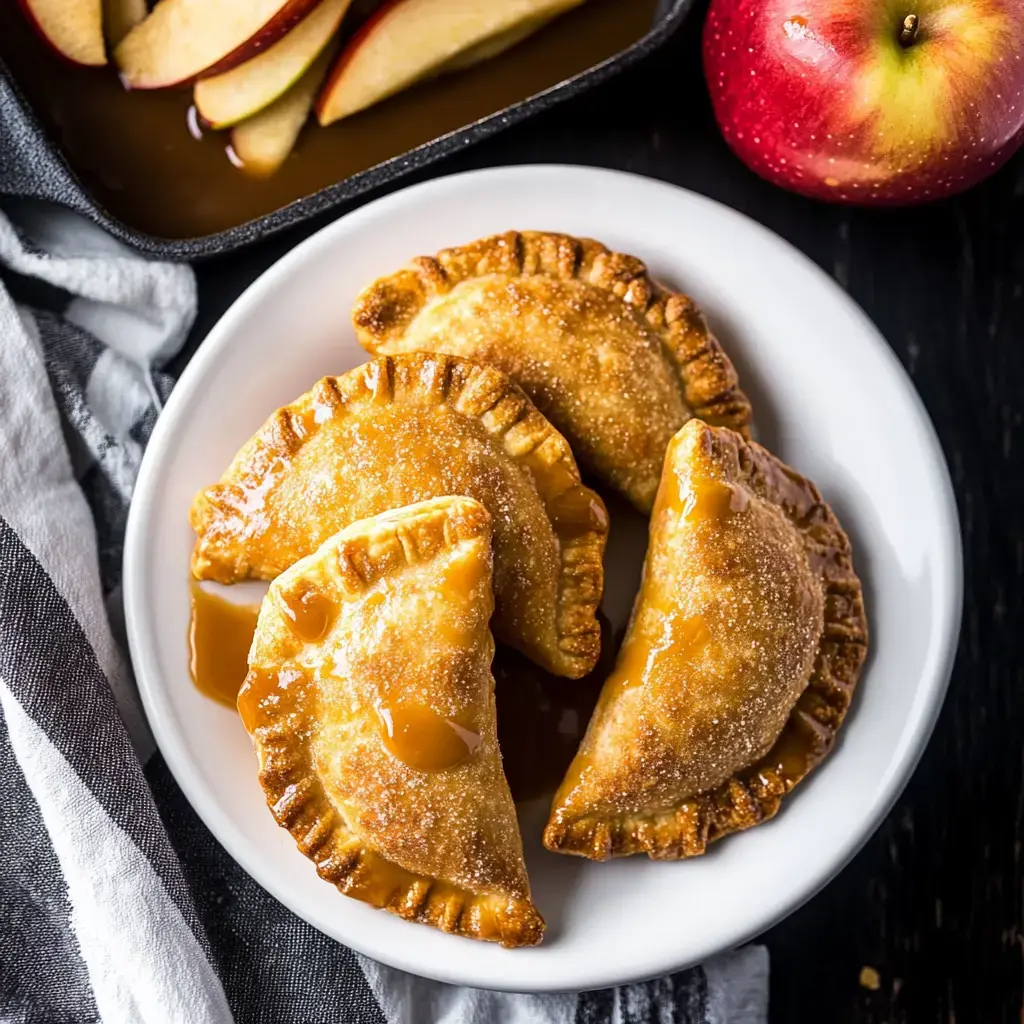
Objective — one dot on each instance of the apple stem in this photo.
(909, 30)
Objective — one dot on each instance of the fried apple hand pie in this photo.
(617, 363)
(746, 641)
(370, 702)
(401, 430)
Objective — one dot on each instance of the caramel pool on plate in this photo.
(219, 637)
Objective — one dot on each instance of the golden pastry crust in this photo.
(615, 362)
(746, 643)
(404, 429)
(371, 706)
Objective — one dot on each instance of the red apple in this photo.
(409, 40)
(182, 39)
(868, 101)
(73, 28)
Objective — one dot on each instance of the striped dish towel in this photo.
(117, 904)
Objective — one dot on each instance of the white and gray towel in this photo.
(116, 903)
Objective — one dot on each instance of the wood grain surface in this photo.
(932, 905)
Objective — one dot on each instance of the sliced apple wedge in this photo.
(182, 39)
(495, 45)
(260, 144)
(120, 17)
(408, 40)
(226, 99)
(73, 28)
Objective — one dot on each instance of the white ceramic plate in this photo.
(830, 398)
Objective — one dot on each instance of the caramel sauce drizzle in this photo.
(681, 640)
(220, 635)
(309, 612)
(675, 638)
(423, 739)
(261, 686)
(714, 499)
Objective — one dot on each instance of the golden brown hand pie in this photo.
(401, 430)
(616, 363)
(370, 702)
(746, 642)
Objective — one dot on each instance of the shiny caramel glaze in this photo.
(285, 690)
(219, 636)
(134, 151)
(309, 612)
(416, 734)
(401, 430)
(713, 500)
(377, 741)
(745, 644)
(616, 362)
(675, 644)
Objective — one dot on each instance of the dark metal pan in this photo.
(32, 163)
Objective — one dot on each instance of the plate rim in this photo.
(935, 672)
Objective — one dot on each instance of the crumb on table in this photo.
(869, 979)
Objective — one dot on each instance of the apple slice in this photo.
(182, 39)
(495, 45)
(73, 28)
(260, 144)
(226, 99)
(408, 40)
(120, 17)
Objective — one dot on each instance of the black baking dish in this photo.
(33, 165)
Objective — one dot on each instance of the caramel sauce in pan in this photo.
(219, 637)
(135, 154)
(423, 739)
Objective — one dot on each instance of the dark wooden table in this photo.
(933, 903)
